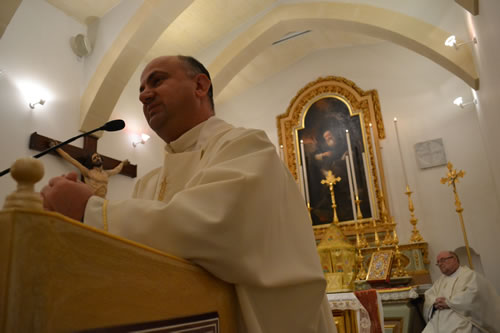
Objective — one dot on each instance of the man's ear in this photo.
(202, 85)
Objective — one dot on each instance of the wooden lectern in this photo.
(58, 275)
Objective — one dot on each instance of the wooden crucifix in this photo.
(40, 143)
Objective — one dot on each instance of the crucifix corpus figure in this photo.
(96, 177)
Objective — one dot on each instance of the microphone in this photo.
(110, 126)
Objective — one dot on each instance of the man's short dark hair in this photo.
(197, 67)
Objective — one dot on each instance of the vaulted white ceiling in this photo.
(234, 37)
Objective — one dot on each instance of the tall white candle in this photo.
(353, 171)
(369, 192)
(348, 165)
(281, 153)
(304, 168)
(377, 169)
(400, 152)
(301, 182)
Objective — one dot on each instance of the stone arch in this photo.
(409, 32)
(123, 57)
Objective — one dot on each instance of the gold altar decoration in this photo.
(338, 260)
(399, 271)
(451, 179)
(380, 266)
(331, 180)
(415, 234)
(376, 240)
(364, 104)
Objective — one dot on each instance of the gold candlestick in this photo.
(385, 221)
(358, 209)
(415, 234)
(375, 233)
(359, 257)
(356, 228)
(331, 180)
(364, 242)
(452, 179)
(361, 267)
(399, 271)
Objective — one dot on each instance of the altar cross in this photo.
(331, 180)
(40, 143)
(452, 178)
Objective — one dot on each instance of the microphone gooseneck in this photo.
(110, 126)
(113, 125)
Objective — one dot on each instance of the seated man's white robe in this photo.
(225, 201)
(473, 301)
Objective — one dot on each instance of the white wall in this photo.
(485, 27)
(420, 94)
(35, 50)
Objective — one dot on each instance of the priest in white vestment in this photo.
(461, 300)
(222, 199)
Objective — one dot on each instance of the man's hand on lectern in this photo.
(66, 195)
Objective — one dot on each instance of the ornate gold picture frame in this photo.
(335, 104)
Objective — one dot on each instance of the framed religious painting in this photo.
(329, 137)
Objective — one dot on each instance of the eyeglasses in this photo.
(442, 260)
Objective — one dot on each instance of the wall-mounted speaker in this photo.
(80, 45)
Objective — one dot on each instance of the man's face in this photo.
(167, 93)
(329, 138)
(96, 160)
(447, 263)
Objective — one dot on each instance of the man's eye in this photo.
(157, 82)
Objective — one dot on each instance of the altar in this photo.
(389, 310)
(329, 139)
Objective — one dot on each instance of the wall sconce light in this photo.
(136, 139)
(460, 102)
(41, 102)
(452, 42)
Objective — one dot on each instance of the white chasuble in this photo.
(473, 301)
(224, 200)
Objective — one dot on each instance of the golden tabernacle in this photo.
(338, 259)
(58, 275)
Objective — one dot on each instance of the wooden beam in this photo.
(472, 6)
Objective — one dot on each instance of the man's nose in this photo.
(146, 96)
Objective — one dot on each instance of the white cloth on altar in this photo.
(473, 301)
(349, 301)
(227, 203)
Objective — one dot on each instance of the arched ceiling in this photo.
(234, 38)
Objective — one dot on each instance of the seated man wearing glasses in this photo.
(461, 300)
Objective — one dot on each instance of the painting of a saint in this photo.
(326, 149)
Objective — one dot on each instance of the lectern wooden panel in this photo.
(58, 275)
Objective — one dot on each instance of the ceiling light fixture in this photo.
(452, 42)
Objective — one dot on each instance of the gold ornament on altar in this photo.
(451, 179)
(337, 254)
(338, 260)
(415, 234)
(399, 272)
(331, 180)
